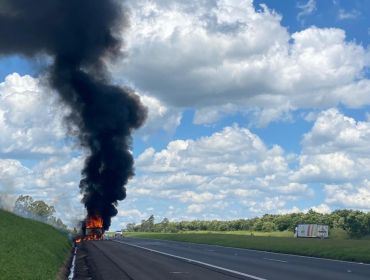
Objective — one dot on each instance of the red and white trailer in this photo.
(312, 231)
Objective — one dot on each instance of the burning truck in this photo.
(92, 229)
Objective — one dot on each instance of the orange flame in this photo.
(94, 222)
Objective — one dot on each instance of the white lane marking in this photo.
(269, 252)
(72, 271)
(275, 260)
(195, 261)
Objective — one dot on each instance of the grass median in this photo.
(30, 249)
(339, 249)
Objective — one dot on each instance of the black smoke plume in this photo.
(79, 35)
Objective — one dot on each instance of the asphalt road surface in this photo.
(141, 259)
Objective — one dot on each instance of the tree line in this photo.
(39, 210)
(355, 223)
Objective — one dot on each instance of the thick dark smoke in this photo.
(79, 35)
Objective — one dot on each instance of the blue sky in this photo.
(254, 107)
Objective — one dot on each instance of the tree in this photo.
(130, 227)
(357, 224)
(258, 225)
(22, 205)
(150, 223)
(26, 207)
(268, 226)
(42, 210)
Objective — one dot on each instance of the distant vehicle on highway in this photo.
(118, 234)
(312, 231)
(108, 235)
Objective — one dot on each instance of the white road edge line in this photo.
(72, 271)
(195, 261)
(275, 260)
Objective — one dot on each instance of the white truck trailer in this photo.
(312, 231)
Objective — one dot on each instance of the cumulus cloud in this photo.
(160, 117)
(13, 176)
(223, 57)
(349, 195)
(336, 149)
(30, 120)
(204, 174)
(195, 208)
(235, 165)
(322, 208)
(132, 214)
(333, 131)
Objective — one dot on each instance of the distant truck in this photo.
(118, 234)
(108, 235)
(312, 231)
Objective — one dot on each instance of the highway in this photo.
(141, 259)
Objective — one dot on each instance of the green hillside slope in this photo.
(30, 249)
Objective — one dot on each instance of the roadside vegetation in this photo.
(30, 249)
(27, 207)
(342, 223)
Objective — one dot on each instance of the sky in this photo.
(254, 107)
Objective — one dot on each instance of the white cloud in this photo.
(195, 208)
(196, 197)
(349, 195)
(13, 176)
(160, 117)
(322, 208)
(224, 57)
(336, 149)
(353, 14)
(267, 205)
(203, 175)
(30, 119)
(306, 9)
(131, 214)
(235, 165)
(334, 132)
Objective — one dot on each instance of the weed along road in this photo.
(141, 259)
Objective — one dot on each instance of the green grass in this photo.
(30, 249)
(247, 232)
(341, 249)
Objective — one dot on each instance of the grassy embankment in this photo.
(334, 248)
(30, 249)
